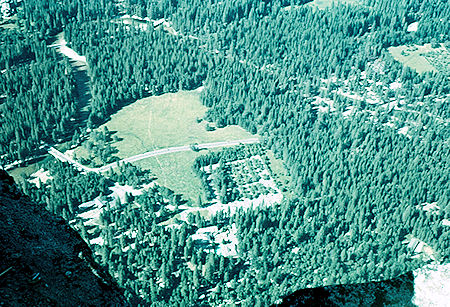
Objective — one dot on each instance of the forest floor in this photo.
(144, 23)
(280, 174)
(40, 177)
(9, 23)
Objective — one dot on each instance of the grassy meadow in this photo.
(422, 58)
(175, 172)
(174, 119)
(165, 121)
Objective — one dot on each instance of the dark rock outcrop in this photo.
(398, 291)
(44, 262)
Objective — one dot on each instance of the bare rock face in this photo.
(44, 262)
(7, 8)
(432, 285)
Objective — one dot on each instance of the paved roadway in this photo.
(63, 157)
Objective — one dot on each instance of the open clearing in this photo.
(279, 171)
(80, 73)
(422, 58)
(19, 173)
(175, 172)
(40, 177)
(166, 121)
(61, 46)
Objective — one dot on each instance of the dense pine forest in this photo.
(37, 98)
(356, 182)
(172, 65)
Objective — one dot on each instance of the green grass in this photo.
(82, 153)
(174, 171)
(280, 173)
(165, 121)
(20, 173)
(416, 57)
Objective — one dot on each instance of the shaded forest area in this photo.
(356, 182)
(37, 95)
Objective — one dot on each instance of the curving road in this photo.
(64, 158)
